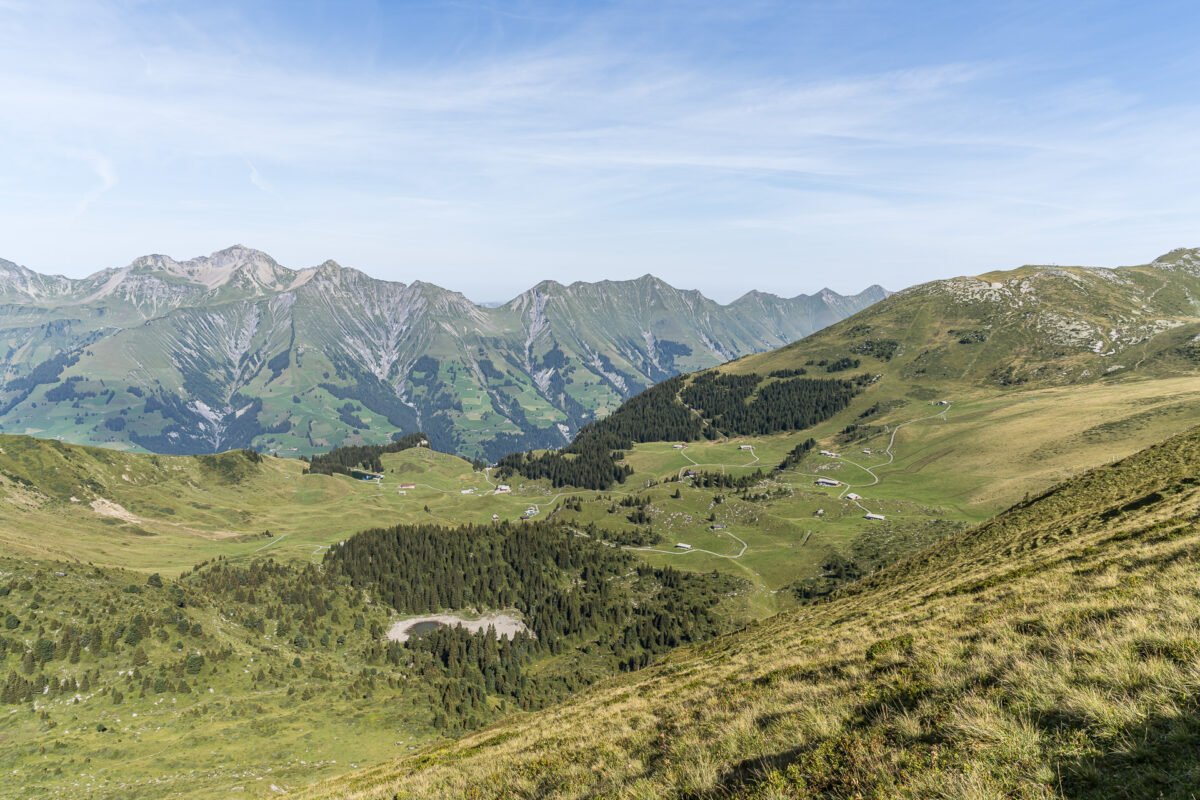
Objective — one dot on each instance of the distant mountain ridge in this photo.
(235, 350)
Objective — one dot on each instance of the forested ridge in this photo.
(710, 406)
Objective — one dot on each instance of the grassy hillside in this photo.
(1033, 326)
(118, 685)
(1042, 372)
(166, 513)
(985, 452)
(1050, 652)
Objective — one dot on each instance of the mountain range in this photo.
(234, 350)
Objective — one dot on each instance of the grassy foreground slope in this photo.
(120, 685)
(1050, 652)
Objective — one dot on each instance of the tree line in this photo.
(341, 460)
(711, 405)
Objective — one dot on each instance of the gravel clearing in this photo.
(505, 624)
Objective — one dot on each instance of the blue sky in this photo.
(485, 146)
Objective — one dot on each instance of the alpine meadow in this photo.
(702, 510)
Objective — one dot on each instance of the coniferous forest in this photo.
(571, 591)
(710, 406)
(746, 405)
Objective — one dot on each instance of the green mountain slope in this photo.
(1050, 652)
(234, 350)
(157, 513)
(257, 608)
(118, 684)
(1033, 326)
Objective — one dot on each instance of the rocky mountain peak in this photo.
(227, 326)
(1183, 258)
(329, 267)
(756, 296)
(243, 267)
(10, 271)
(21, 283)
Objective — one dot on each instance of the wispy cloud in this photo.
(104, 171)
(678, 154)
(257, 179)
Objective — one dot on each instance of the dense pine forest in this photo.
(572, 592)
(711, 406)
(746, 405)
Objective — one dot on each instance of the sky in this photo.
(485, 146)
